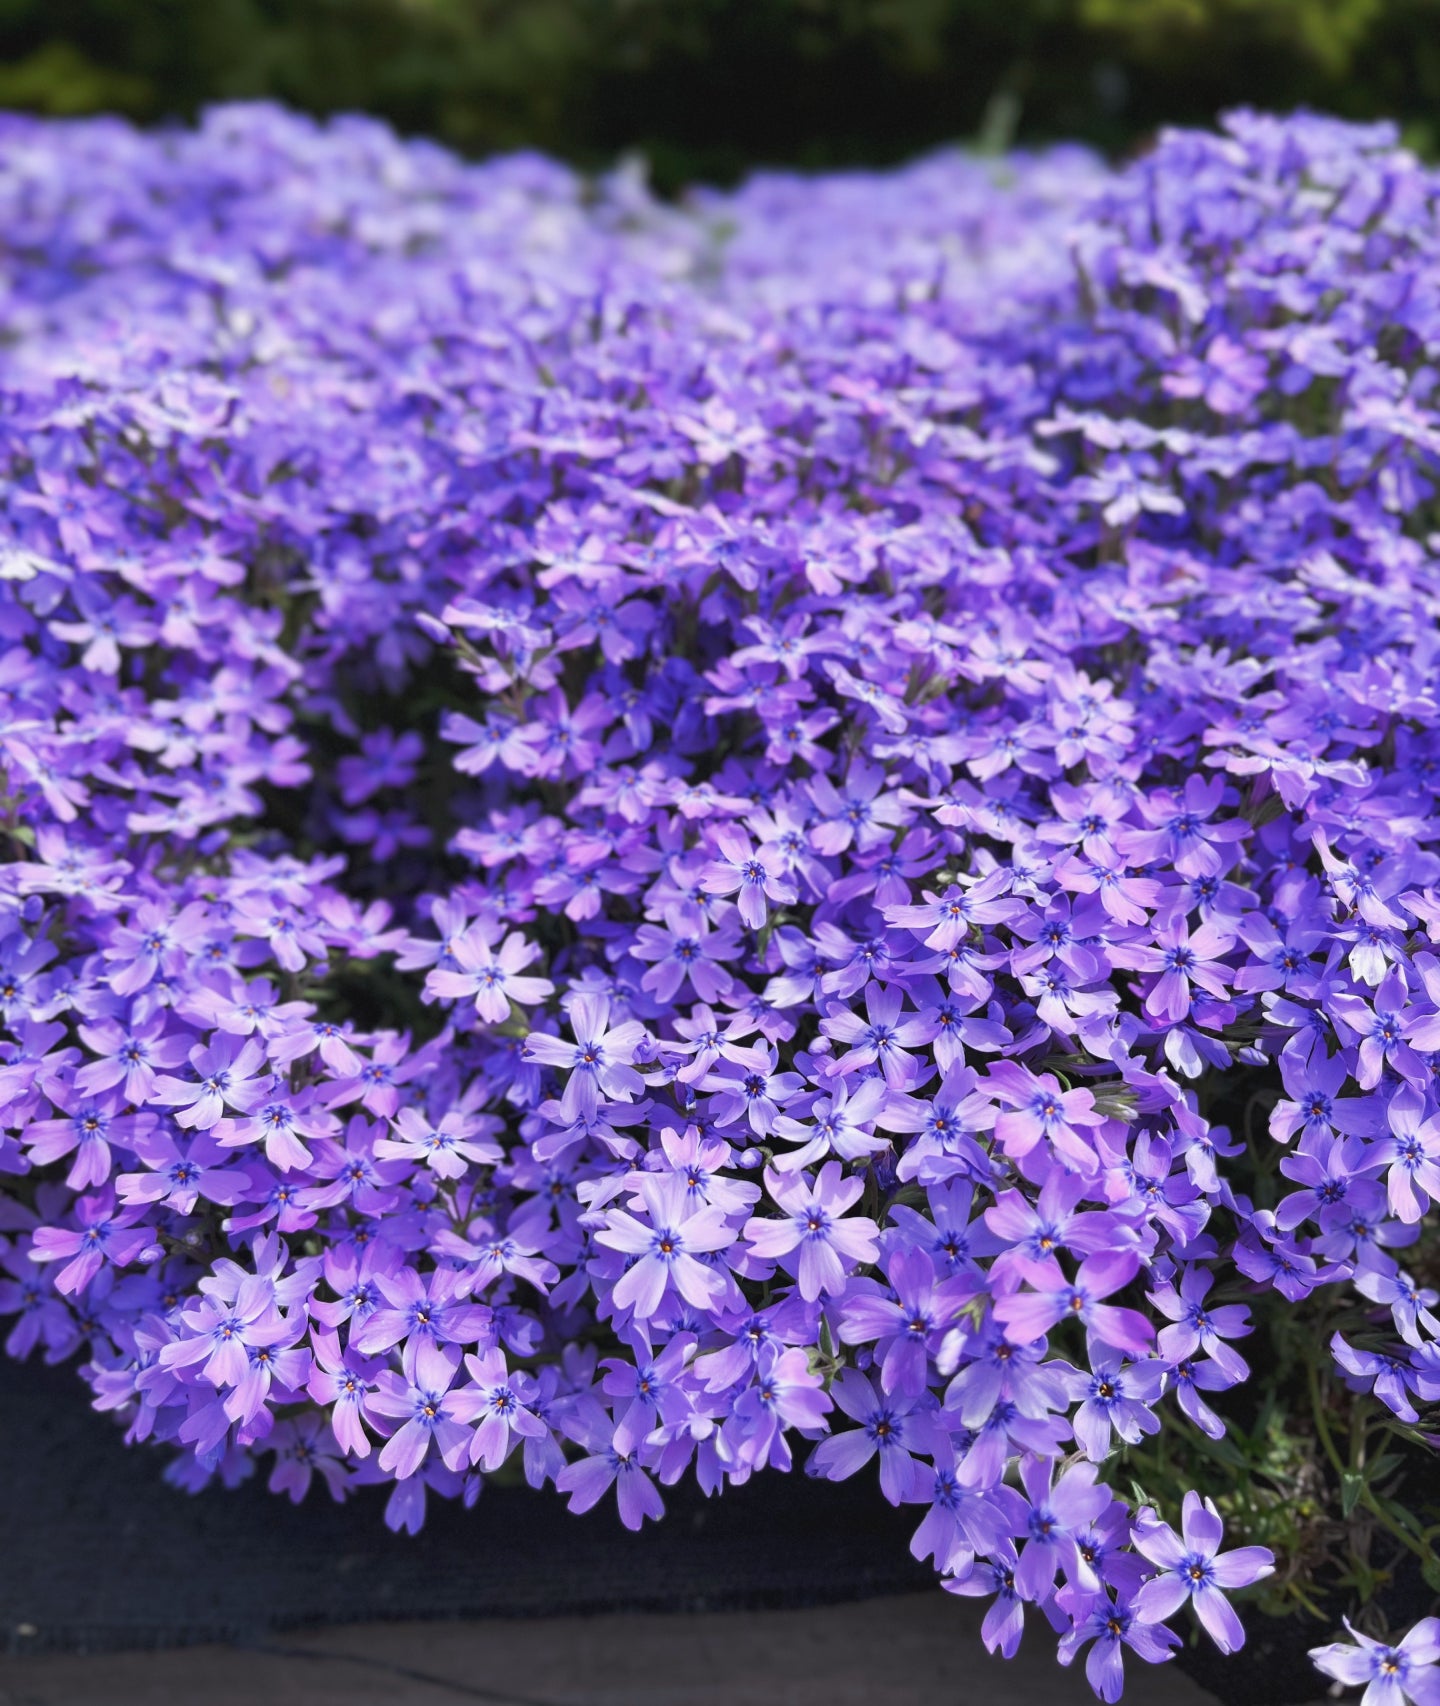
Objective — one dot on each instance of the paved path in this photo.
(915, 1650)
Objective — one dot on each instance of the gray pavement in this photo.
(913, 1650)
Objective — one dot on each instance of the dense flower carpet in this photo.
(791, 830)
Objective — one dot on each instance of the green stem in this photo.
(1322, 1427)
(1367, 1497)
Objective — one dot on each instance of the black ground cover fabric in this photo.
(101, 1554)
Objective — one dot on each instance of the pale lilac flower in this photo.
(885, 1037)
(665, 1248)
(817, 1240)
(597, 1062)
(784, 1394)
(499, 1403)
(491, 976)
(1413, 1155)
(428, 1410)
(1193, 1568)
(449, 1146)
(752, 875)
(1393, 1674)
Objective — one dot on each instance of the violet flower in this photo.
(1193, 1568)
(1393, 1675)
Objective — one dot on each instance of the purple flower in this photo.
(1390, 1377)
(665, 1246)
(862, 814)
(1410, 1305)
(653, 1389)
(220, 1332)
(1004, 1621)
(784, 1394)
(1199, 1325)
(890, 1427)
(748, 1082)
(752, 875)
(1326, 1172)
(816, 1239)
(1378, 1027)
(883, 1038)
(1031, 1314)
(85, 1130)
(1184, 829)
(180, 1176)
(1413, 1155)
(1116, 1397)
(448, 1146)
(431, 1412)
(420, 1310)
(499, 1403)
(490, 976)
(1055, 1514)
(1040, 1111)
(960, 1522)
(837, 1125)
(1032, 1232)
(945, 920)
(227, 1077)
(130, 1056)
(29, 1297)
(590, 1479)
(686, 950)
(1111, 1626)
(597, 1062)
(1394, 1674)
(1183, 959)
(1192, 1567)
(304, 1447)
(1189, 1379)
(279, 1118)
(342, 1382)
(909, 1322)
(102, 1234)
(156, 941)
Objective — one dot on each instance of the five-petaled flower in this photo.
(1192, 1567)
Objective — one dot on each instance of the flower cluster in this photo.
(646, 841)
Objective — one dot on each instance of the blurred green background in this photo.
(706, 88)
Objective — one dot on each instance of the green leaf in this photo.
(1225, 1451)
(1351, 1487)
(1401, 1517)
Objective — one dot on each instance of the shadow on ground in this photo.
(127, 1561)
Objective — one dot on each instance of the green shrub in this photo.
(707, 87)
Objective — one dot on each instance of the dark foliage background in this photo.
(708, 87)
